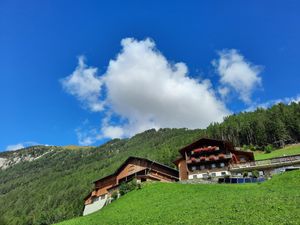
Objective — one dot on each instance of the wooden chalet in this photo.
(133, 168)
(209, 158)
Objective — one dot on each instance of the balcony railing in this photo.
(208, 158)
(268, 162)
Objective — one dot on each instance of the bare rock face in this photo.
(9, 159)
(3, 163)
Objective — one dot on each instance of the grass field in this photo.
(276, 201)
(290, 150)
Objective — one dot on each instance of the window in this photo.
(195, 176)
(222, 165)
(213, 174)
(213, 165)
(223, 173)
(205, 175)
(193, 168)
(202, 167)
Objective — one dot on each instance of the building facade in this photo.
(133, 168)
(206, 158)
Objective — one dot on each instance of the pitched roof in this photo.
(119, 169)
(203, 141)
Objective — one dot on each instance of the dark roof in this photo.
(203, 141)
(119, 169)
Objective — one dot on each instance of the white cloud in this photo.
(18, 146)
(148, 91)
(223, 91)
(113, 131)
(237, 74)
(85, 85)
(87, 135)
(14, 147)
(143, 90)
(268, 104)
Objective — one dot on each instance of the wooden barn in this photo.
(209, 158)
(133, 168)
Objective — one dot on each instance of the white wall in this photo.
(218, 174)
(95, 206)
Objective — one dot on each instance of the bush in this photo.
(114, 195)
(269, 148)
(255, 174)
(250, 147)
(129, 186)
(245, 147)
(245, 174)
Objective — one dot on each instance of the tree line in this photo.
(278, 125)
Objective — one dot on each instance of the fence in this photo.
(267, 162)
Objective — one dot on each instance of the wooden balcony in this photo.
(202, 159)
(268, 163)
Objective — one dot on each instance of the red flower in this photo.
(202, 158)
(221, 156)
(212, 157)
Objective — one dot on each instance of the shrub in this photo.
(255, 174)
(252, 147)
(114, 195)
(269, 148)
(129, 186)
(245, 174)
(245, 147)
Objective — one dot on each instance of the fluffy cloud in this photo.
(237, 74)
(143, 90)
(268, 104)
(150, 92)
(21, 145)
(14, 147)
(87, 136)
(85, 85)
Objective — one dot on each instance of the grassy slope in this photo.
(290, 150)
(52, 188)
(274, 202)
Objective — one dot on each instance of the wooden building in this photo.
(209, 158)
(133, 168)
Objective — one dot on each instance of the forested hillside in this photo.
(277, 125)
(51, 187)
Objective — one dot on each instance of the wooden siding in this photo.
(183, 172)
(131, 168)
(200, 154)
(133, 165)
(102, 185)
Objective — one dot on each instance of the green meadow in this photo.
(289, 150)
(276, 201)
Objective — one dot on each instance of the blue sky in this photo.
(82, 72)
